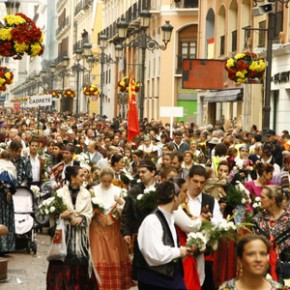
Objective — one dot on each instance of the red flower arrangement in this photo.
(19, 35)
(6, 77)
(245, 66)
(91, 90)
(124, 85)
(69, 93)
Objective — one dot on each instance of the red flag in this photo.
(133, 123)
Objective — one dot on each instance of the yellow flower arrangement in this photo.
(245, 66)
(124, 85)
(91, 90)
(19, 35)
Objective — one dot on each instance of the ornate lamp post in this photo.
(270, 37)
(102, 59)
(144, 42)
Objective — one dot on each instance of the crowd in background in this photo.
(195, 173)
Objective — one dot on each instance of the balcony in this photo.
(60, 4)
(181, 4)
(62, 26)
(78, 8)
(87, 3)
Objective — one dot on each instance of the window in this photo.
(278, 22)
(262, 34)
(234, 40)
(222, 45)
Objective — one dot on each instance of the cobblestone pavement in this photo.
(28, 271)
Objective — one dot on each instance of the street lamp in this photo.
(102, 59)
(12, 6)
(270, 37)
(144, 42)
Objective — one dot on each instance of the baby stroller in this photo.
(24, 219)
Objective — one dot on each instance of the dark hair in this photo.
(249, 238)
(177, 154)
(179, 181)
(165, 192)
(264, 167)
(197, 170)
(116, 158)
(164, 171)
(225, 163)
(138, 153)
(71, 171)
(15, 145)
(220, 149)
(150, 165)
(258, 137)
(177, 133)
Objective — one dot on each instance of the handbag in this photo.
(58, 249)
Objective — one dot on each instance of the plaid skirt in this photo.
(61, 276)
(110, 256)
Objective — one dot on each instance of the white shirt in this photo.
(184, 222)
(194, 205)
(35, 164)
(150, 240)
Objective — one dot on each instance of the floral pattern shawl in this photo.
(279, 229)
(230, 285)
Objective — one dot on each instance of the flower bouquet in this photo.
(97, 205)
(69, 93)
(6, 77)
(91, 90)
(53, 205)
(199, 240)
(124, 85)
(36, 190)
(147, 201)
(244, 67)
(19, 35)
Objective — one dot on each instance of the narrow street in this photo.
(28, 271)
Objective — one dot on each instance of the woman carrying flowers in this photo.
(109, 250)
(76, 272)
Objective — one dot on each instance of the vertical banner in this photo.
(133, 122)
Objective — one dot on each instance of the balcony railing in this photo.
(62, 26)
(79, 7)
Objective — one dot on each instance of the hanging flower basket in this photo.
(19, 35)
(91, 90)
(54, 93)
(245, 67)
(69, 93)
(6, 78)
(124, 85)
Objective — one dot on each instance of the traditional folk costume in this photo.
(109, 250)
(7, 188)
(159, 262)
(77, 271)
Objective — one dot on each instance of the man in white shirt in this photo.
(35, 162)
(159, 261)
(201, 203)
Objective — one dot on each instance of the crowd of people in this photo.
(131, 205)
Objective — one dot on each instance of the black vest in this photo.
(207, 200)
(168, 270)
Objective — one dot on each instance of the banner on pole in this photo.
(39, 101)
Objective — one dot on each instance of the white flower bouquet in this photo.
(36, 190)
(53, 205)
(98, 204)
(197, 239)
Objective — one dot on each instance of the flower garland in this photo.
(19, 35)
(245, 66)
(124, 85)
(69, 93)
(6, 78)
(91, 90)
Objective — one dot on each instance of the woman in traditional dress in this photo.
(109, 250)
(77, 271)
(7, 188)
(274, 223)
